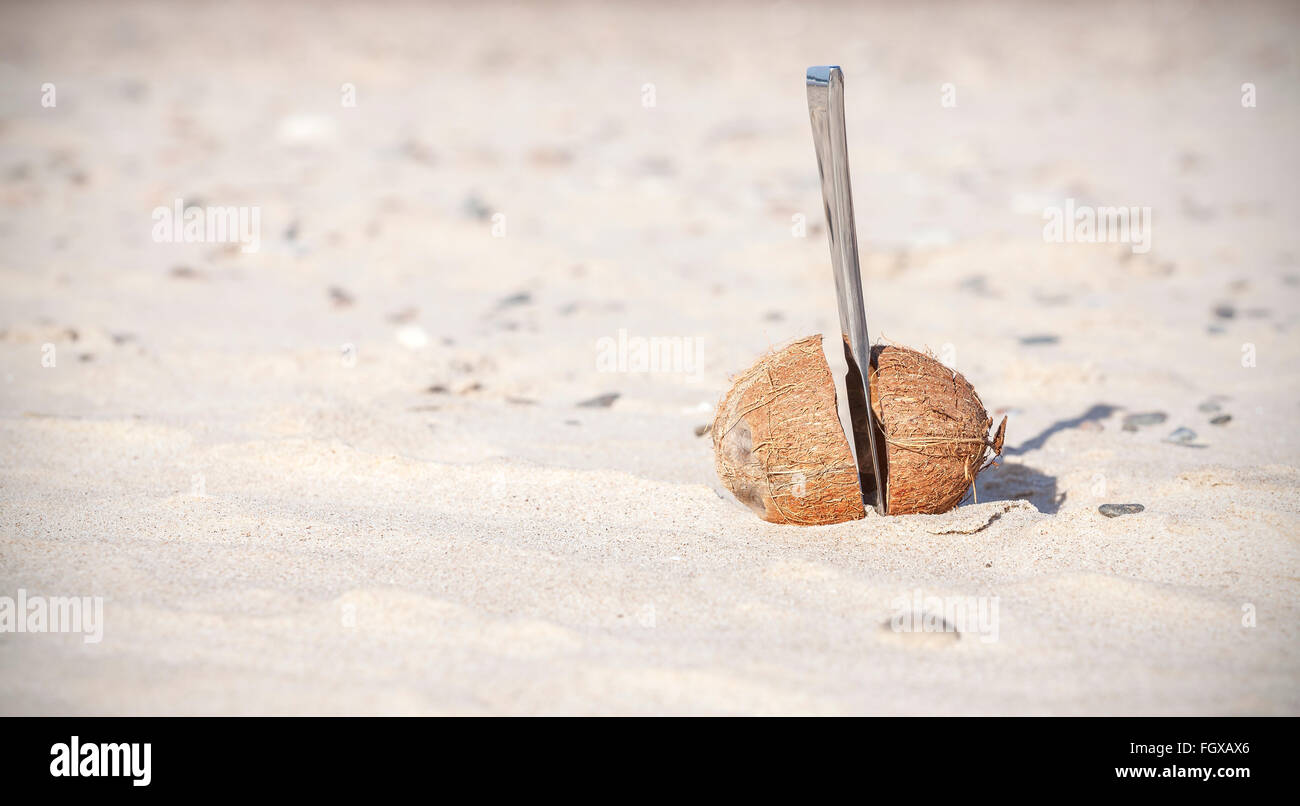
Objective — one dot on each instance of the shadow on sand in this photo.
(1011, 481)
(1098, 412)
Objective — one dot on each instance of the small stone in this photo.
(1039, 338)
(702, 430)
(1225, 311)
(1115, 510)
(1181, 436)
(1133, 421)
(1208, 407)
(185, 273)
(600, 401)
(1222, 419)
(340, 296)
(522, 298)
(474, 207)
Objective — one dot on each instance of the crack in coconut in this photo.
(780, 449)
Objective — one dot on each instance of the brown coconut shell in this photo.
(778, 443)
(935, 430)
(780, 449)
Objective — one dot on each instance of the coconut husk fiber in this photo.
(780, 449)
(778, 444)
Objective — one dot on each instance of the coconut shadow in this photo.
(1017, 482)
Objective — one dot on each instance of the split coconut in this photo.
(780, 449)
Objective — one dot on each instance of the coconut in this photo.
(778, 443)
(935, 430)
(779, 446)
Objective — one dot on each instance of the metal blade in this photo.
(826, 111)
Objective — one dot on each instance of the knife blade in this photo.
(826, 112)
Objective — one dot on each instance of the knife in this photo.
(826, 111)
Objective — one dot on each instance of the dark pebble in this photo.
(1222, 419)
(340, 297)
(185, 273)
(1133, 421)
(600, 401)
(1040, 338)
(522, 298)
(474, 207)
(1115, 510)
(1225, 311)
(702, 430)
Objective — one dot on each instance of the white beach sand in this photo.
(281, 523)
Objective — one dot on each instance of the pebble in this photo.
(1115, 510)
(474, 207)
(1222, 419)
(1209, 407)
(1181, 436)
(1225, 311)
(600, 401)
(1133, 421)
(522, 298)
(1039, 338)
(340, 296)
(701, 430)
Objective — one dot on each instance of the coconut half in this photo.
(935, 429)
(780, 449)
(778, 444)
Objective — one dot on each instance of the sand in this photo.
(348, 472)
